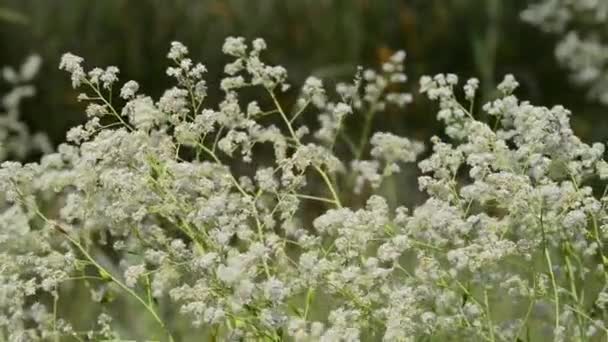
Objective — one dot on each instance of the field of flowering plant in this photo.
(261, 219)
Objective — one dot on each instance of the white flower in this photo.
(71, 63)
(259, 44)
(274, 290)
(391, 149)
(470, 88)
(508, 84)
(109, 76)
(142, 113)
(133, 273)
(235, 46)
(341, 110)
(129, 90)
(177, 51)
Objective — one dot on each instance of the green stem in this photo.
(326, 179)
(574, 293)
(553, 284)
(526, 318)
(367, 126)
(55, 300)
(109, 104)
(103, 271)
(488, 314)
(315, 198)
(309, 298)
(550, 267)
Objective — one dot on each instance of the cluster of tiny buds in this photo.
(176, 206)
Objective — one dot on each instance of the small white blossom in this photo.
(72, 64)
(133, 273)
(235, 46)
(508, 85)
(129, 90)
(177, 51)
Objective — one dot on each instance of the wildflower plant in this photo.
(169, 207)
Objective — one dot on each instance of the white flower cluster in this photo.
(177, 205)
(583, 46)
(525, 197)
(16, 140)
(155, 183)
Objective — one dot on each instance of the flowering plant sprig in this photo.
(146, 201)
(170, 206)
